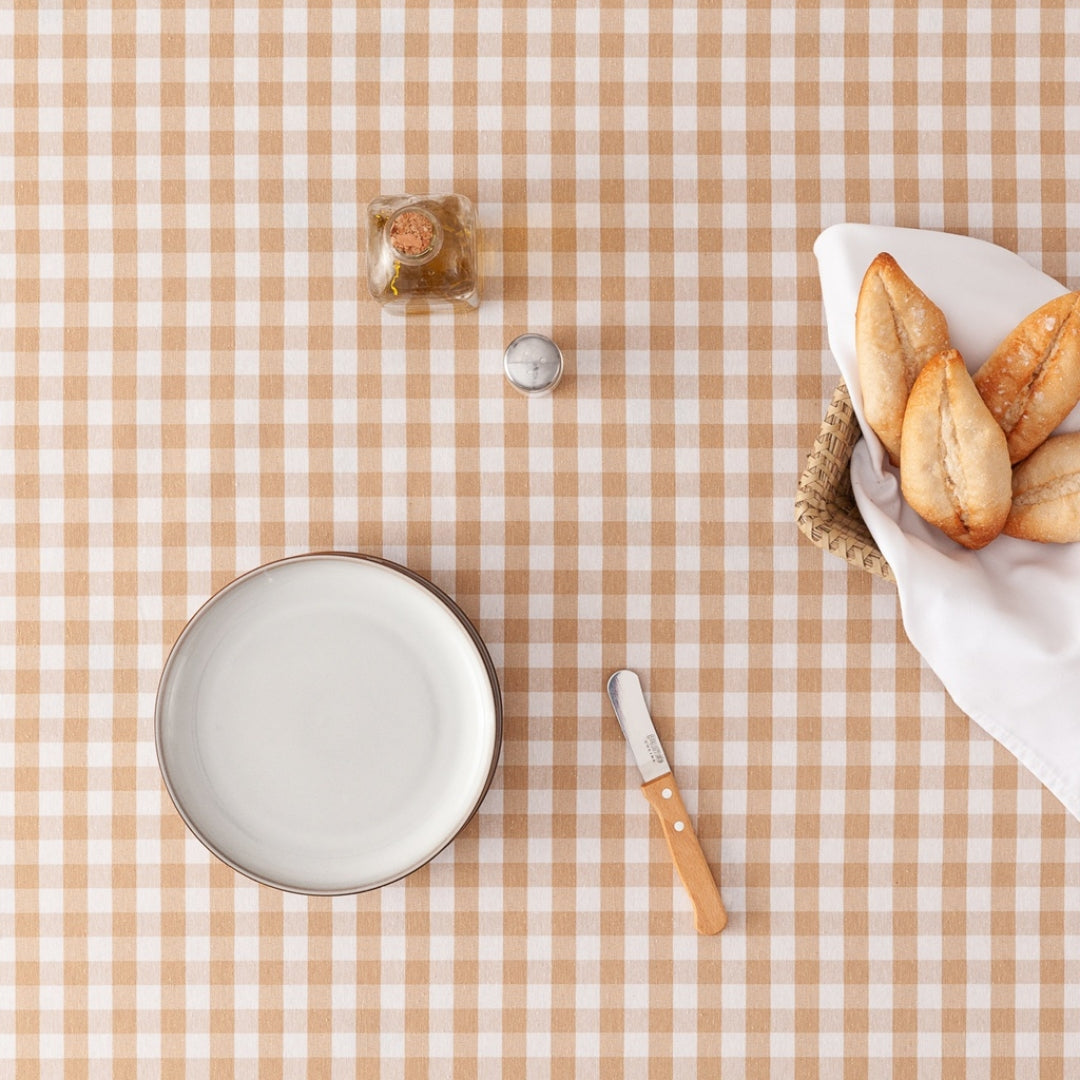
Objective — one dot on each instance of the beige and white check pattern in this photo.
(193, 382)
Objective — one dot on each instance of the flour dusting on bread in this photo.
(1031, 382)
(897, 330)
(954, 463)
(1046, 493)
(978, 455)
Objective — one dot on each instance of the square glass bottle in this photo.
(422, 253)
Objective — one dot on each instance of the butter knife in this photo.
(659, 788)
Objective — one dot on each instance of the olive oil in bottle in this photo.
(422, 253)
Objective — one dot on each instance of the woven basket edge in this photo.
(816, 516)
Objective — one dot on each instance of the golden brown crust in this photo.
(1046, 493)
(1031, 382)
(954, 461)
(897, 330)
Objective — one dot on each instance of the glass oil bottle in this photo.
(422, 253)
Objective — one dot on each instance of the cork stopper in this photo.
(412, 233)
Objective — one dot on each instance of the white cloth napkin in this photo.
(1000, 627)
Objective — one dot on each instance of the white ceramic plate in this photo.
(328, 723)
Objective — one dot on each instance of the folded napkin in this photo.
(1000, 627)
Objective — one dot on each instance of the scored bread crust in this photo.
(1046, 493)
(954, 461)
(897, 330)
(1031, 381)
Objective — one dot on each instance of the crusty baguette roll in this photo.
(1046, 493)
(1032, 380)
(954, 462)
(897, 329)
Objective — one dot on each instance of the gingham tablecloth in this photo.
(193, 382)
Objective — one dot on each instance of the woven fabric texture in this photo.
(193, 381)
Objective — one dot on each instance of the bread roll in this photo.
(897, 329)
(1046, 493)
(954, 462)
(1032, 380)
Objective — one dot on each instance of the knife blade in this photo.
(662, 794)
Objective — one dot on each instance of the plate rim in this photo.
(319, 556)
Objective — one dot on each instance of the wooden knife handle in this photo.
(690, 862)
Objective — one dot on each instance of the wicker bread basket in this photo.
(825, 508)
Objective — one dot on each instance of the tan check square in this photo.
(193, 381)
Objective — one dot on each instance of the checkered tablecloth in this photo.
(193, 381)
